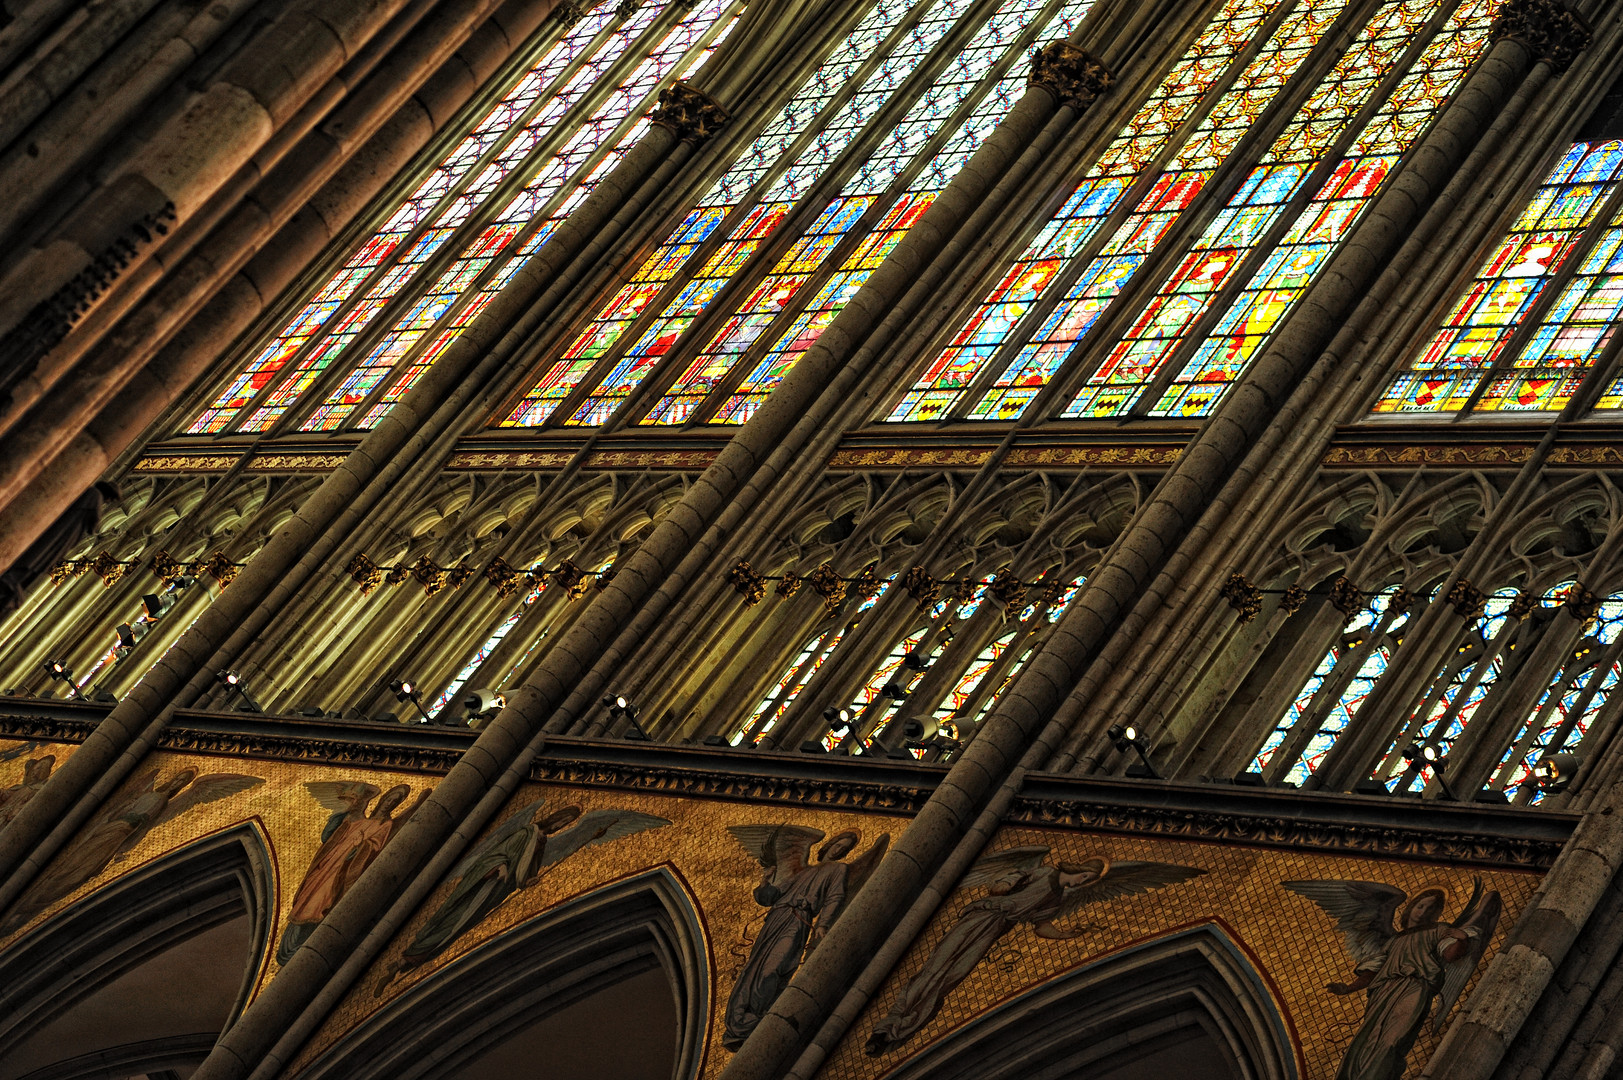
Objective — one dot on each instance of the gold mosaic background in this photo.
(1293, 941)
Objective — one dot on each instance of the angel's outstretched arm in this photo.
(1362, 978)
(1047, 929)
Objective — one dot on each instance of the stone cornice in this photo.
(1389, 828)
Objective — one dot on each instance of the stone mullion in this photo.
(1549, 294)
(1235, 749)
(98, 259)
(1241, 276)
(533, 626)
(1226, 180)
(807, 209)
(427, 160)
(45, 634)
(764, 650)
(636, 407)
(965, 647)
(299, 412)
(1599, 753)
(85, 434)
(1500, 774)
(754, 727)
(1034, 714)
(1079, 262)
(1003, 668)
(1495, 725)
(853, 660)
(363, 654)
(882, 722)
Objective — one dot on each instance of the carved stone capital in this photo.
(568, 13)
(1072, 75)
(692, 114)
(1555, 33)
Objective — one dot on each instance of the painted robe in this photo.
(1036, 898)
(344, 854)
(1400, 996)
(809, 899)
(496, 874)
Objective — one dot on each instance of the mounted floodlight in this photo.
(839, 720)
(895, 692)
(916, 661)
(130, 633)
(234, 687)
(1557, 771)
(158, 604)
(59, 671)
(481, 701)
(1125, 737)
(1426, 756)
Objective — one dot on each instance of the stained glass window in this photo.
(1334, 693)
(407, 290)
(1569, 705)
(483, 653)
(789, 166)
(1230, 289)
(1497, 350)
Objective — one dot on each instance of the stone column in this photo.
(170, 179)
(1019, 734)
(300, 547)
(65, 446)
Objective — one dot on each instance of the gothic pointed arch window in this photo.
(1540, 311)
(782, 239)
(438, 255)
(1125, 302)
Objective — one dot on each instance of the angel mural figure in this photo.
(516, 856)
(802, 898)
(119, 827)
(350, 840)
(1403, 968)
(12, 799)
(1022, 888)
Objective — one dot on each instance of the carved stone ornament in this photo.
(1466, 599)
(1242, 596)
(568, 13)
(748, 581)
(692, 114)
(1583, 604)
(1072, 75)
(1555, 33)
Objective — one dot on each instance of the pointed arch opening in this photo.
(143, 975)
(1192, 1001)
(578, 973)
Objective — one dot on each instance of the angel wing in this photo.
(1482, 916)
(1362, 910)
(774, 845)
(341, 796)
(598, 827)
(862, 867)
(513, 823)
(207, 788)
(1126, 879)
(1000, 863)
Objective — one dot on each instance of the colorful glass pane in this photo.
(1317, 232)
(497, 143)
(905, 210)
(774, 149)
(1485, 319)
(973, 676)
(1104, 187)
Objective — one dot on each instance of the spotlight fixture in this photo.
(895, 691)
(59, 671)
(234, 687)
(130, 633)
(839, 721)
(482, 702)
(621, 708)
(1425, 756)
(1556, 772)
(916, 661)
(406, 691)
(1125, 737)
(158, 604)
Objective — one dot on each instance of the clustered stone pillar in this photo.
(1021, 733)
